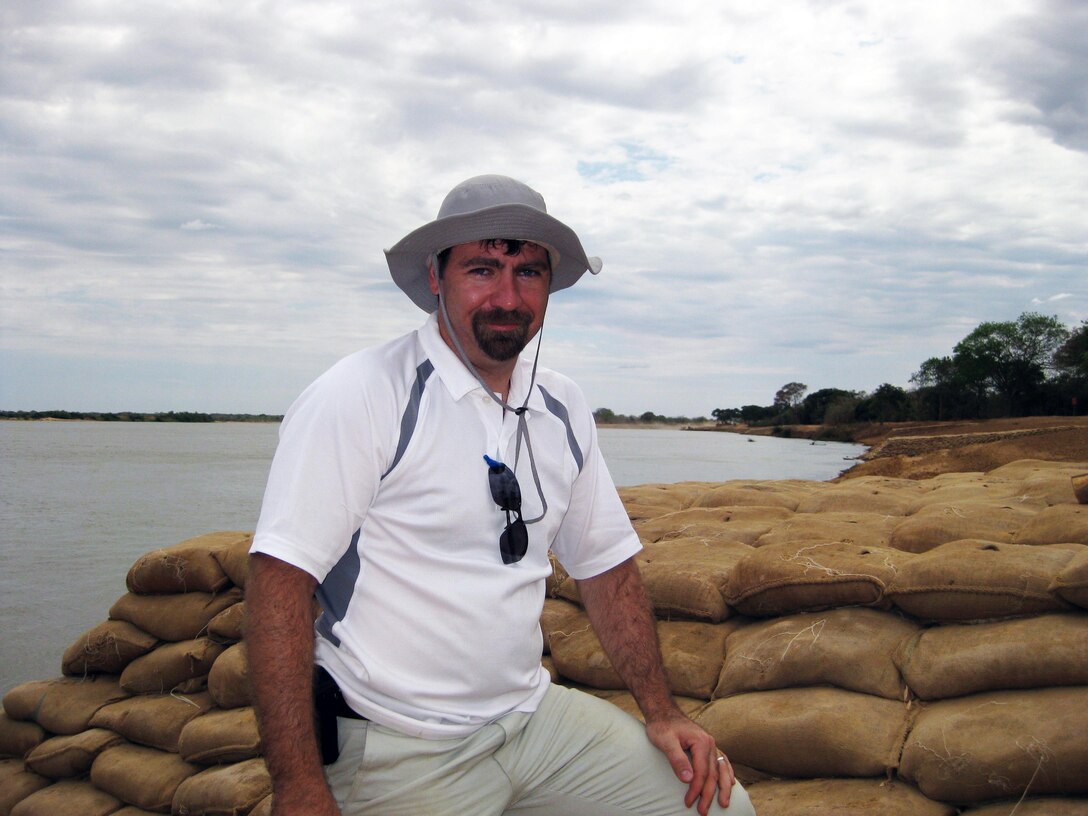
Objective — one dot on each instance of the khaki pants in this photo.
(576, 755)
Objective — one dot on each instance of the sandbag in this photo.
(560, 616)
(1059, 524)
(71, 756)
(1042, 806)
(264, 807)
(890, 497)
(625, 701)
(557, 577)
(938, 524)
(234, 559)
(970, 488)
(228, 681)
(856, 527)
(1055, 487)
(782, 579)
(997, 745)
(132, 810)
(17, 737)
(691, 653)
(152, 720)
(671, 496)
(24, 700)
(229, 625)
(980, 580)
(190, 566)
(17, 783)
(843, 797)
(1071, 583)
(106, 649)
(957, 659)
(740, 524)
(549, 666)
(229, 789)
(145, 777)
(68, 797)
(849, 648)
(686, 577)
(221, 737)
(749, 494)
(69, 704)
(175, 618)
(171, 666)
(809, 732)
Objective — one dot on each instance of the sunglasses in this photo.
(506, 492)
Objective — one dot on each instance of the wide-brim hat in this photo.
(479, 209)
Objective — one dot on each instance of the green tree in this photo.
(888, 403)
(789, 396)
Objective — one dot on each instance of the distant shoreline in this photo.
(133, 416)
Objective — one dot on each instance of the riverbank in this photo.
(922, 450)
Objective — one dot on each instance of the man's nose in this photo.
(506, 295)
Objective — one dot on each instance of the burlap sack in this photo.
(957, 659)
(153, 720)
(17, 783)
(1070, 584)
(857, 527)
(1042, 806)
(24, 700)
(749, 494)
(671, 496)
(186, 567)
(809, 732)
(938, 524)
(1025, 468)
(549, 666)
(1058, 524)
(145, 777)
(106, 649)
(1055, 487)
(872, 494)
(970, 488)
(783, 579)
(739, 524)
(848, 648)
(17, 737)
(264, 808)
(686, 577)
(221, 737)
(71, 756)
(560, 616)
(228, 681)
(132, 810)
(69, 704)
(843, 797)
(625, 701)
(68, 797)
(170, 666)
(997, 745)
(229, 625)
(173, 617)
(234, 559)
(691, 653)
(236, 788)
(555, 580)
(980, 580)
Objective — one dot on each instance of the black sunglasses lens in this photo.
(505, 489)
(514, 541)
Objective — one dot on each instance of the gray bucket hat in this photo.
(478, 209)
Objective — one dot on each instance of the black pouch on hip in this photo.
(327, 701)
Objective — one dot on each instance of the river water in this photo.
(81, 501)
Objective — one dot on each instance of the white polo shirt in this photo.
(379, 490)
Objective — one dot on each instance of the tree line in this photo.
(1031, 366)
(132, 416)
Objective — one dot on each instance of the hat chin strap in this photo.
(523, 425)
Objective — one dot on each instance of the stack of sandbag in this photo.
(153, 712)
(868, 646)
(882, 645)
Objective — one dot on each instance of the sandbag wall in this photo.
(872, 646)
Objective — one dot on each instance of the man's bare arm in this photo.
(280, 649)
(623, 619)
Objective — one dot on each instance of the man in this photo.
(416, 490)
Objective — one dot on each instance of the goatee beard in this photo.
(501, 345)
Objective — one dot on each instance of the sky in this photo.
(195, 196)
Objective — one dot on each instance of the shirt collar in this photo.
(456, 376)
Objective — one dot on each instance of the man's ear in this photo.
(432, 277)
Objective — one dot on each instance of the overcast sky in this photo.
(195, 196)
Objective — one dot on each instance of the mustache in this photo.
(523, 319)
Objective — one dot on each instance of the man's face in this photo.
(496, 301)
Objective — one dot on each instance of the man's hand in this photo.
(695, 760)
